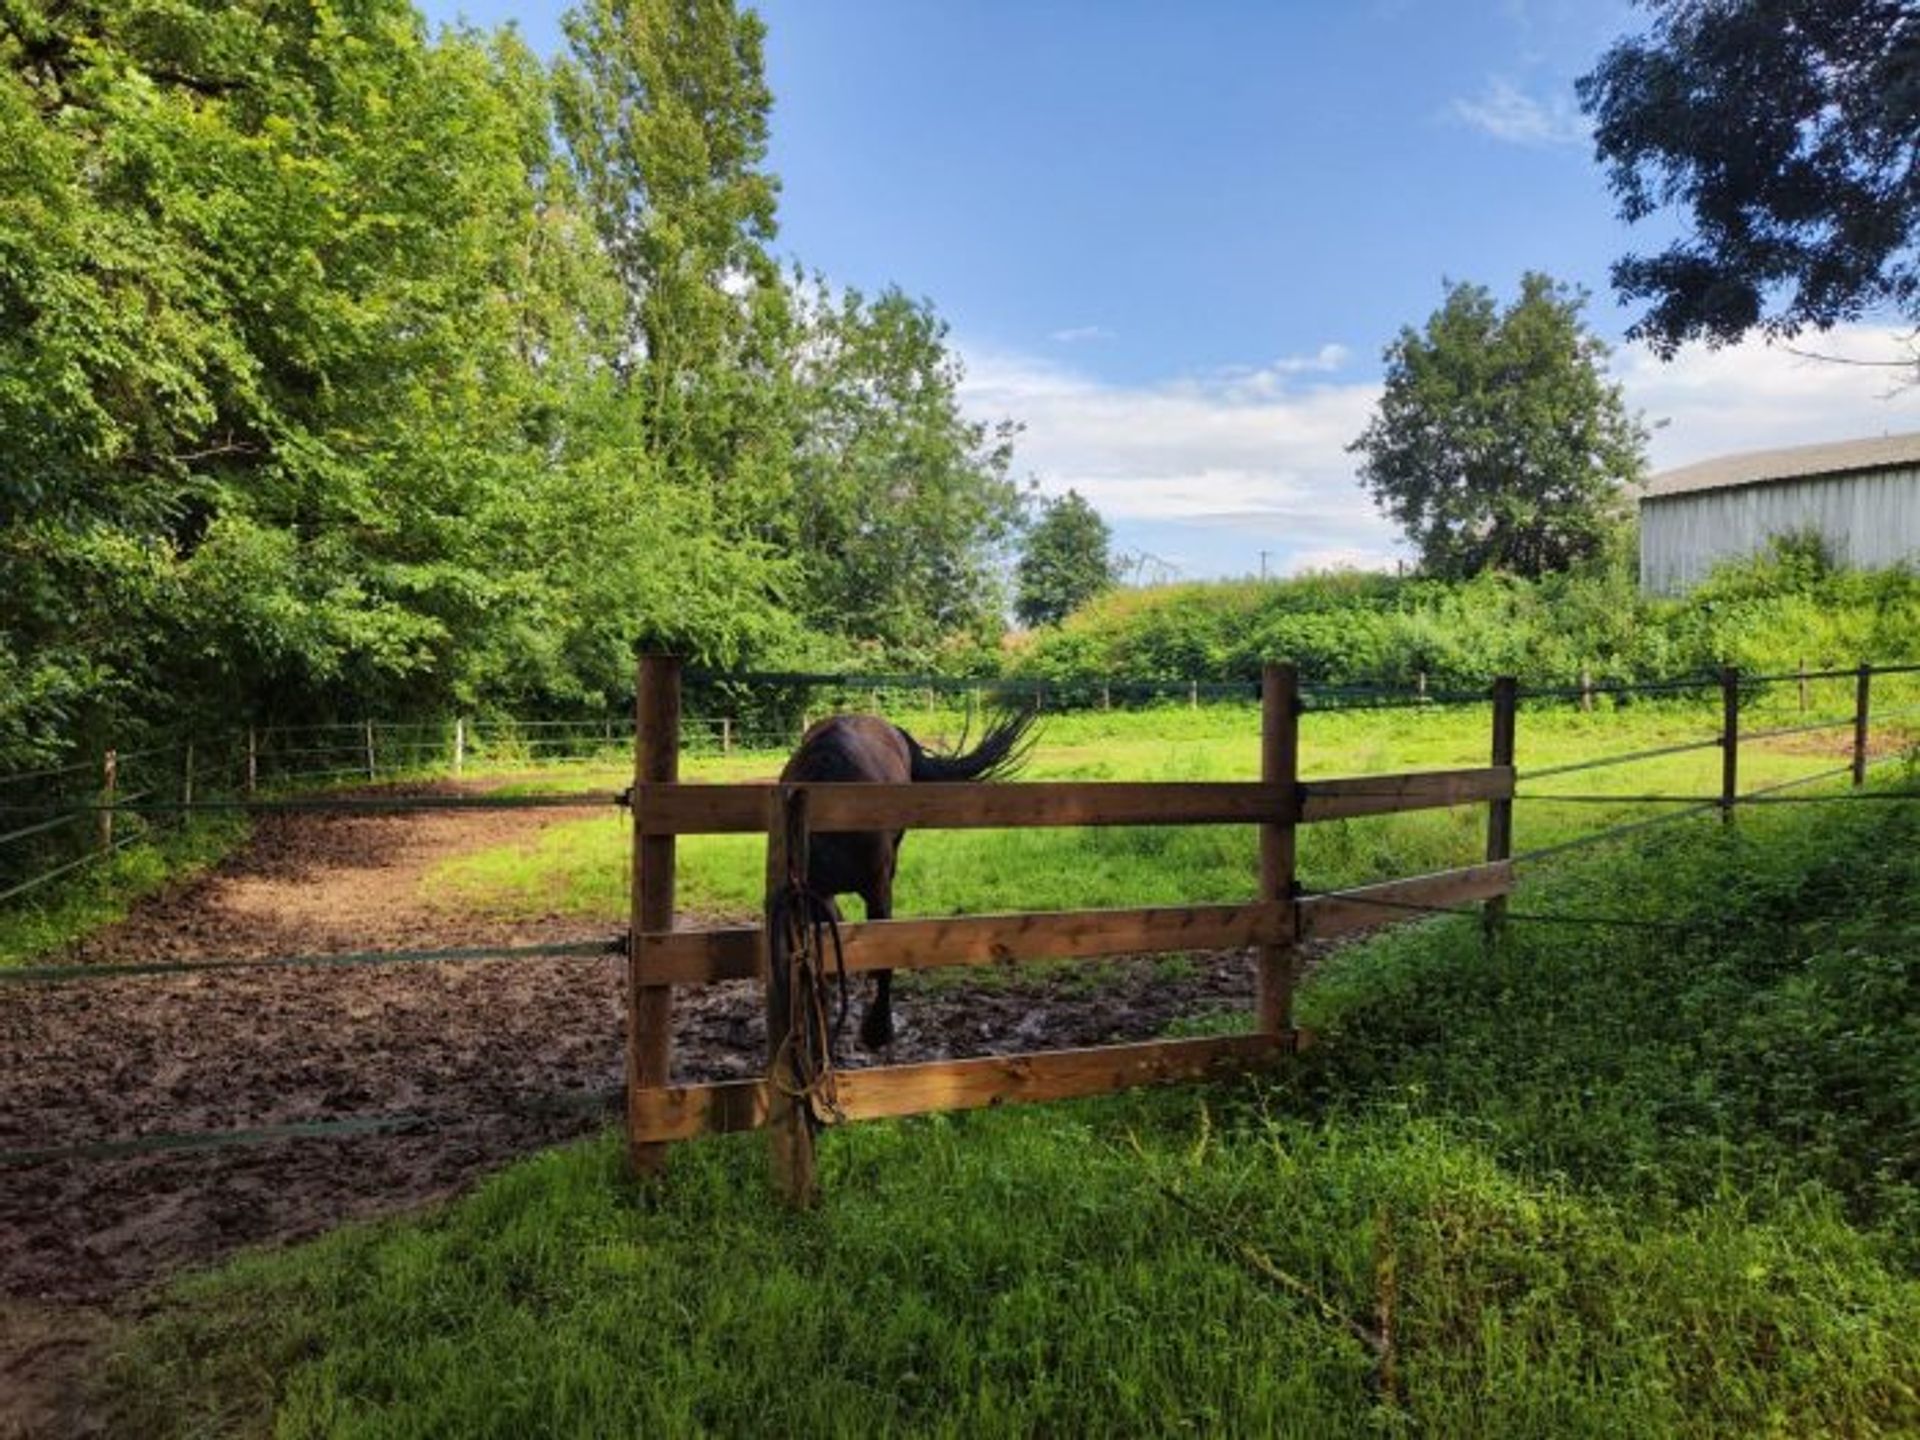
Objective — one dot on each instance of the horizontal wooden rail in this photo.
(683, 809)
(719, 809)
(682, 1112)
(698, 957)
(1367, 907)
(1392, 794)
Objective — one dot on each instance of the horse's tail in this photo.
(1001, 751)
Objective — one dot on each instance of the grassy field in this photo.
(1590, 1182)
(581, 867)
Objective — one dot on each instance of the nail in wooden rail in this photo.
(1506, 694)
(792, 1127)
(1279, 766)
(650, 1006)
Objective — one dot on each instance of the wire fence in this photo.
(58, 823)
(258, 773)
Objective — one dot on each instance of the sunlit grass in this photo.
(1589, 1182)
(581, 867)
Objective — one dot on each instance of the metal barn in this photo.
(1861, 496)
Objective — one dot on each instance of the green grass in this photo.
(1593, 1182)
(581, 867)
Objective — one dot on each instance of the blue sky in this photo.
(1173, 239)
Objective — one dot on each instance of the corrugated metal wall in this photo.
(1869, 521)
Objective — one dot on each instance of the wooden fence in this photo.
(660, 1112)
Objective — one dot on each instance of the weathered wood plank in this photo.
(1368, 907)
(1347, 798)
(1056, 1075)
(659, 1115)
(650, 1006)
(697, 957)
(680, 1112)
(716, 809)
(1279, 765)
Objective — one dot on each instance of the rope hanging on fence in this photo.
(802, 927)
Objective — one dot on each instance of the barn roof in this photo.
(1797, 462)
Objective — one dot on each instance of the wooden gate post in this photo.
(1861, 701)
(1279, 765)
(1729, 741)
(253, 760)
(373, 772)
(186, 784)
(1506, 708)
(459, 745)
(656, 757)
(109, 787)
(789, 1121)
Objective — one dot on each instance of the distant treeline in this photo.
(1767, 615)
(351, 368)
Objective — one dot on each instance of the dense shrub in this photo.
(1768, 614)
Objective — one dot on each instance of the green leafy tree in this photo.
(900, 503)
(1065, 563)
(1499, 442)
(1784, 131)
(663, 105)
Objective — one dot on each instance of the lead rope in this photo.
(804, 926)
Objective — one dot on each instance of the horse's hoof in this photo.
(876, 1031)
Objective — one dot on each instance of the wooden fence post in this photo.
(1193, 694)
(253, 760)
(1729, 741)
(186, 782)
(1803, 687)
(1586, 687)
(1862, 689)
(459, 745)
(726, 735)
(1506, 706)
(789, 1121)
(373, 772)
(109, 788)
(1420, 685)
(1279, 765)
(656, 757)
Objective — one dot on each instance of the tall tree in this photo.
(1066, 562)
(1785, 132)
(1499, 442)
(900, 501)
(663, 106)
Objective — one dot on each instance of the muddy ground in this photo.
(498, 1058)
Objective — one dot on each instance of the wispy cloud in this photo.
(1220, 466)
(1080, 334)
(1506, 112)
(1238, 452)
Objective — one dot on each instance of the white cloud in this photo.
(1506, 112)
(1756, 395)
(1236, 452)
(1080, 334)
(1223, 465)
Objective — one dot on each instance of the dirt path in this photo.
(502, 1058)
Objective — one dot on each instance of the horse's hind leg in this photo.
(876, 1026)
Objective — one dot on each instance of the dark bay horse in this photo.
(867, 748)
